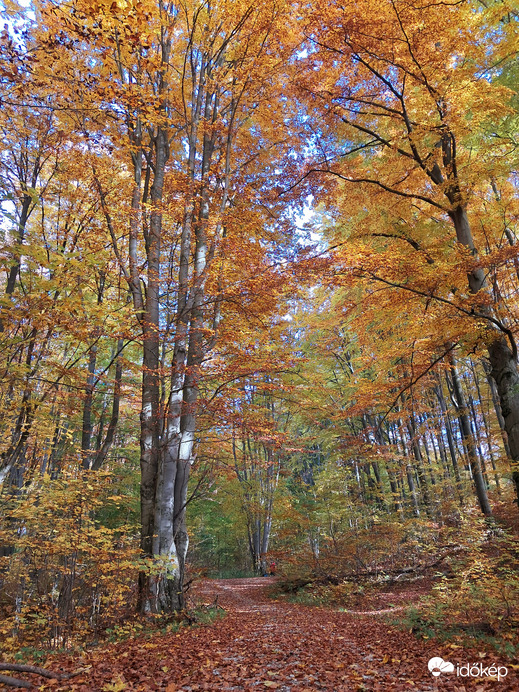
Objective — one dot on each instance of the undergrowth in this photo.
(473, 602)
(139, 628)
(479, 606)
(196, 617)
(426, 626)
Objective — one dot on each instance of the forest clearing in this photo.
(259, 386)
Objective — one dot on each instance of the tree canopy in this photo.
(259, 273)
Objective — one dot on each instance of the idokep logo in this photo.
(437, 666)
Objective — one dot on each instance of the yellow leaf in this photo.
(117, 685)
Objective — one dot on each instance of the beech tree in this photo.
(258, 445)
(404, 427)
(193, 104)
(47, 316)
(398, 99)
(159, 292)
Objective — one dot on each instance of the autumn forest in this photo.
(259, 315)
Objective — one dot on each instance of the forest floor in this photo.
(262, 644)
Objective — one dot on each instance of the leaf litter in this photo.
(262, 644)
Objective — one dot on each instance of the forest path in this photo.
(263, 644)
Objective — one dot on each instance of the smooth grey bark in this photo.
(27, 203)
(412, 489)
(259, 478)
(379, 486)
(13, 458)
(395, 493)
(502, 349)
(176, 454)
(393, 473)
(87, 427)
(477, 440)
(163, 439)
(497, 407)
(373, 429)
(429, 468)
(504, 371)
(486, 426)
(510, 236)
(200, 123)
(150, 438)
(177, 448)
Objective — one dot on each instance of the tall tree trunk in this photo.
(486, 425)
(502, 351)
(153, 492)
(409, 470)
(504, 371)
(466, 431)
(497, 407)
(86, 432)
(104, 448)
(450, 439)
(420, 469)
(27, 202)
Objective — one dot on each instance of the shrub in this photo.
(65, 577)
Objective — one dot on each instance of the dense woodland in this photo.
(259, 303)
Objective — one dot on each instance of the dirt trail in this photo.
(262, 644)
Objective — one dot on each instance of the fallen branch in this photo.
(33, 670)
(290, 585)
(15, 682)
(423, 568)
(20, 668)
